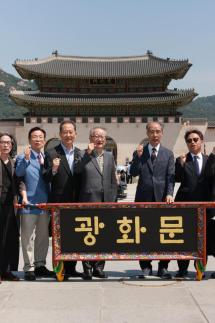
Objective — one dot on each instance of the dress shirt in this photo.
(100, 160)
(150, 149)
(69, 156)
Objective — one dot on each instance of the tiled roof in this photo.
(170, 96)
(101, 67)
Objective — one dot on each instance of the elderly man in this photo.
(154, 164)
(58, 171)
(98, 184)
(29, 167)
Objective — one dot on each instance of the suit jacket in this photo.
(210, 175)
(156, 180)
(193, 187)
(36, 188)
(95, 186)
(64, 185)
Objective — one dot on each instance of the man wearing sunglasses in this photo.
(190, 172)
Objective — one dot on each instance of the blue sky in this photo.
(176, 29)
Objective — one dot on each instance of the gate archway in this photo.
(111, 146)
(51, 143)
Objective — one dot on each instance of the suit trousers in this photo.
(34, 240)
(95, 265)
(147, 264)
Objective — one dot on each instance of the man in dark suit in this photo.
(58, 171)
(190, 172)
(154, 164)
(210, 175)
(98, 184)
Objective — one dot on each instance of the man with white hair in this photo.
(98, 184)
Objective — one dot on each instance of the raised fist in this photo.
(183, 159)
(55, 164)
(139, 150)
(27, 152)
(90, 148)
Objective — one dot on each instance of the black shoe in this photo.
(29, 276)
(146, 272)
(73, 274)
(164, 274)
(99, 273)
(42, 271)
(87, 274)
(181, 274)
(213, 275)
(9, 276)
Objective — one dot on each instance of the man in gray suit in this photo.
(154, 164)
(98, 184)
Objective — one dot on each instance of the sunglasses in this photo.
(189, 140)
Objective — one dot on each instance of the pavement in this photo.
(122, 298)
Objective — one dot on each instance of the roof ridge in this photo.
(54, 57)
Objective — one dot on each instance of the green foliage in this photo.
(203, 107)
(8, 109)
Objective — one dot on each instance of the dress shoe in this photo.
(181, 274)
(99, 273)
(146, 272)
(87, 274)
(164, 274)
(9, 276)
(42, 271)
(29, 276)
(213, 275)
(73, 274)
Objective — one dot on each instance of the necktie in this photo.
(153, 155)
(195, 160)
(40, 158)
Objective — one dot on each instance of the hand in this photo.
(139, 150)
(55, 164)
(90, 148)
(183, 159)
(169, 199)
(25, 201)
(27, 152)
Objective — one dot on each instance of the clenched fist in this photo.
(27, 152)
(139, 150)
(55, 164)
(183, 159)
(90, 148)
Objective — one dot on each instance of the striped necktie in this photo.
(40, 158)
(153, 155)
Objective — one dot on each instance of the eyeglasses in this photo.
(99, 137)
(189, 140)
(6, 142)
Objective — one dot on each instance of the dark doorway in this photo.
(111, 146)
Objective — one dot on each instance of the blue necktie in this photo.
(195, 160)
